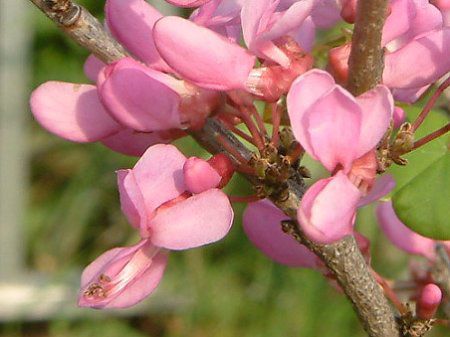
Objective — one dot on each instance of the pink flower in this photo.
(403, 237)
(147, 100)
(202, 56)
(168, 198)
(262, 224)
(340, 131)
(140, 105)
(412, 28)
(122, 277)
(74, 112)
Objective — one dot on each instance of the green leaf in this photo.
(423, 204)
(423, 156)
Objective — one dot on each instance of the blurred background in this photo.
(59, 210)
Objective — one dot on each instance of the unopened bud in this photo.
(429, 301)
(338, 63)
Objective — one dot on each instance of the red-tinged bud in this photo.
(399, 116)
(223, 165)
(348, 11)
(429, 301)
(338, 63)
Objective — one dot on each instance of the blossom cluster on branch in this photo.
(180, 72)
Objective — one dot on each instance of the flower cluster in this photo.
(180, 72)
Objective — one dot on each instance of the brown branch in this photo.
(82, 27)
(342, 258)
(366, 57)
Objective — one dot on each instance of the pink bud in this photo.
(429, 301)
(399, 116)
(223, 165)
(199, 176)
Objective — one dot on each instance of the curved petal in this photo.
(133, 143)
(304, 91)
(131, 201)
(400, 235)
(122, 276)
(401, 66)
(255, 18)
(193, 222)
(328, 208)
(187, 3)
(399, 20)
(333, 125)
(72, 111)
(199, 176)
(290, 20)
(201, 55)
(377, 107)
(409, 95)
(262, 224)
(131, 23)
(382, 187)
(159, 175)
(305, 35)
(92, 67)
(139, 97)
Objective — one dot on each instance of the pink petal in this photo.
(399, 116)
(139, 97)
(126, 276)
(199, 220)
(290, 20)
(159, 175)
(132, 201)
(133, 143)
(409, 95)
(401, 66)
(377, 106)
(187, 3)
(202, 56)
(399, 20)
(383, 185)
(199, 176)
(400, 235)
(262, 224)
(305, 35)
(92, 67)
(333, 127)
(131, 23)
(304, 91)
(328, 208)
(72, 111)
(326, 13)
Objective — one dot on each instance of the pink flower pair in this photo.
(134, 105)
(341, 132)
(168, 198)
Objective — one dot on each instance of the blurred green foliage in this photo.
(74, 216)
